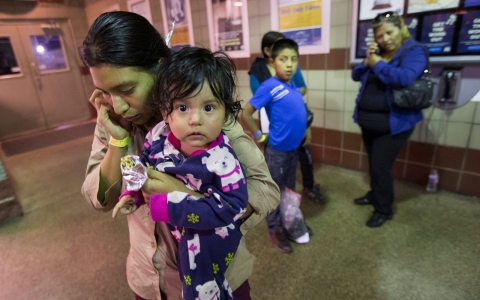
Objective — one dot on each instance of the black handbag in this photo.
(419, 94)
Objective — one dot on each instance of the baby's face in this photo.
(197, 121)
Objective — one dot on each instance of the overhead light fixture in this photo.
(237, 3)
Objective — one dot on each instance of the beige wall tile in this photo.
(253, 9)
(334, 100)
(334, 120)
(318, 118)
(339, 13)
(457, 134)
(477, 113)
(348, 124)
(475, 142)
(339, 36)
(254, 26)
(351, 85)
(244, 94)
(316, 79)
(463, 114)
(431, 131)
(336, 80)
(315, 99)
(265, 25)
(350, 98)
(243, 79)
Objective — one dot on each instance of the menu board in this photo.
(450, 29)
(469, 36)
(437, 32)
(471, 3)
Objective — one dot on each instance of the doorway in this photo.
(40, 81)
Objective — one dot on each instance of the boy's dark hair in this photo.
(183, 74)
(283, 44)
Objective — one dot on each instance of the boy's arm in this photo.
(247, 118)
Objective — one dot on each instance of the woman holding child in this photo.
(124, 52)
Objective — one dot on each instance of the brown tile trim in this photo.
(333, 138)
(337, 59)
(317, 153)
(448, 179)
(332, 156)
(469, 185)
(351, 160)
(352, 141)
(397, 169)
(318, 135)
(316, 62)
(449, 157)
(420, 152)
(417, 173)
(472, 163)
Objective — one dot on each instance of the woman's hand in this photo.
(308, 137)
(372, 55)
(115, 125)
(125, 205)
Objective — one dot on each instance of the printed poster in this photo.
(438, 31)
(228, 27)
(306, 22)
(369, 9)
(178, 11)
(469, 36)
(418, 6)
(470, 3)
(141, 7)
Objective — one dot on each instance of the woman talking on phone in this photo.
(385, 128)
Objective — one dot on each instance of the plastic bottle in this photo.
(432, 181)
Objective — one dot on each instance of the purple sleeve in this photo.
(225, 196)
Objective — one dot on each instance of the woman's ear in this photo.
(267, 51)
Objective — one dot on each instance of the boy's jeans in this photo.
(283, 168)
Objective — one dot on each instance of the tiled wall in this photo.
(448, 141)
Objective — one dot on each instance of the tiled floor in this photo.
(63, 249)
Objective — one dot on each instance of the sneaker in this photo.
(279, 239)
(314, 194)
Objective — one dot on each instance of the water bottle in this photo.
(432, 181)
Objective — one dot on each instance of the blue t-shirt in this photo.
(286, 111)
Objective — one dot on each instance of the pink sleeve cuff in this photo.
(137, 195)
(159, 208)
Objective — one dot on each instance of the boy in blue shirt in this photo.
(286, 111)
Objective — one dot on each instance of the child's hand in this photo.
(125, 206)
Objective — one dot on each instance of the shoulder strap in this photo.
(404, 52)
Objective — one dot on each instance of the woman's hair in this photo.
(184, 73)
(269, 39)
(123, 39)
(394, 19)
(283, 44)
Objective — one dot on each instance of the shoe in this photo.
(314, 194)
(378, 219)
(364, 200)
(279, 239)
(310, 233)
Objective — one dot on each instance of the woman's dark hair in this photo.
(123, 39)
(269, 39)
(183, 74)
(283, 44)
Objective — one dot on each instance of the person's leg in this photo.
(243, 291)
(276, 162)
(385, 149)
(306, 166)
(368, 137)
(310, 189)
